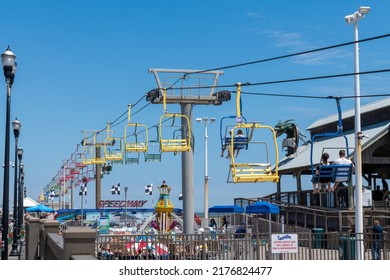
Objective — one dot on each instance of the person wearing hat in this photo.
(240, 231)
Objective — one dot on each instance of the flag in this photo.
(149, 189)
(83, 190)
(116, 189)
(52, 194)
(181, 196)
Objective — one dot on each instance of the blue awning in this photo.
(262, 207)
(226, 209)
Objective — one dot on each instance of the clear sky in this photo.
(80, 63)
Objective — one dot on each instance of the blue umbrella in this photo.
(226, 209)
(40, 208)
(262, 207)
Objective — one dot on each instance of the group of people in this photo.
(318, 181)
(214, 225)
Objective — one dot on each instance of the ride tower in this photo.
(164, 209)
(187, 88)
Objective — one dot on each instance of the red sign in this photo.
(121, 203)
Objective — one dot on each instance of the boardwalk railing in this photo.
(45, 241)
(222, 246)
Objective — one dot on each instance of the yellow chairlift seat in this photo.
(254, 172)
(136, 135)
(113, 150)
(136, 138)
(174, 144)
(89, 156)
(92, 144)
(98, 161)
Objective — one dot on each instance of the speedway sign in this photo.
(284, 243)
(121, 203)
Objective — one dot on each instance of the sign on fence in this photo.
(284, 243)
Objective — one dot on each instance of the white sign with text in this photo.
(284, 243)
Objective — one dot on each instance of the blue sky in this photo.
(80, 63)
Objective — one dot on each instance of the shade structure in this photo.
(231, 210)
(262, 207)
(226, 209)
(40, 208)
(29, 202)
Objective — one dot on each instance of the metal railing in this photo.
(222, 246)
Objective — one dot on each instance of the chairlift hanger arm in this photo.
(338, 132)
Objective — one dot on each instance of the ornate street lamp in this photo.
(9, 67)
(16, 125)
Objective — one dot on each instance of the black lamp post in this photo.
(9, 67)
(20, 192)
(16, 125)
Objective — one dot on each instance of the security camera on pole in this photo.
(353, 19)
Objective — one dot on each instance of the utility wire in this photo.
(308, 96)
(266, 60)
(271, 82)
(291, 55)
(291, 80)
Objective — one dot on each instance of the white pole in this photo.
(358, 157)
(206, 121)
(358, 138)
(206, 178)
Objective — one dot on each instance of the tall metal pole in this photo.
(187, 163)
(359, 219)
(14, 251)
(98, 178)
(82, 203)
(206, 177)
(206, 121)
(358, 157)
(20, 203)
(5, 212)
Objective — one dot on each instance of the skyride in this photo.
(260, 169)
(333, 172)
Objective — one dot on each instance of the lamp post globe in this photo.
(9, 67)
